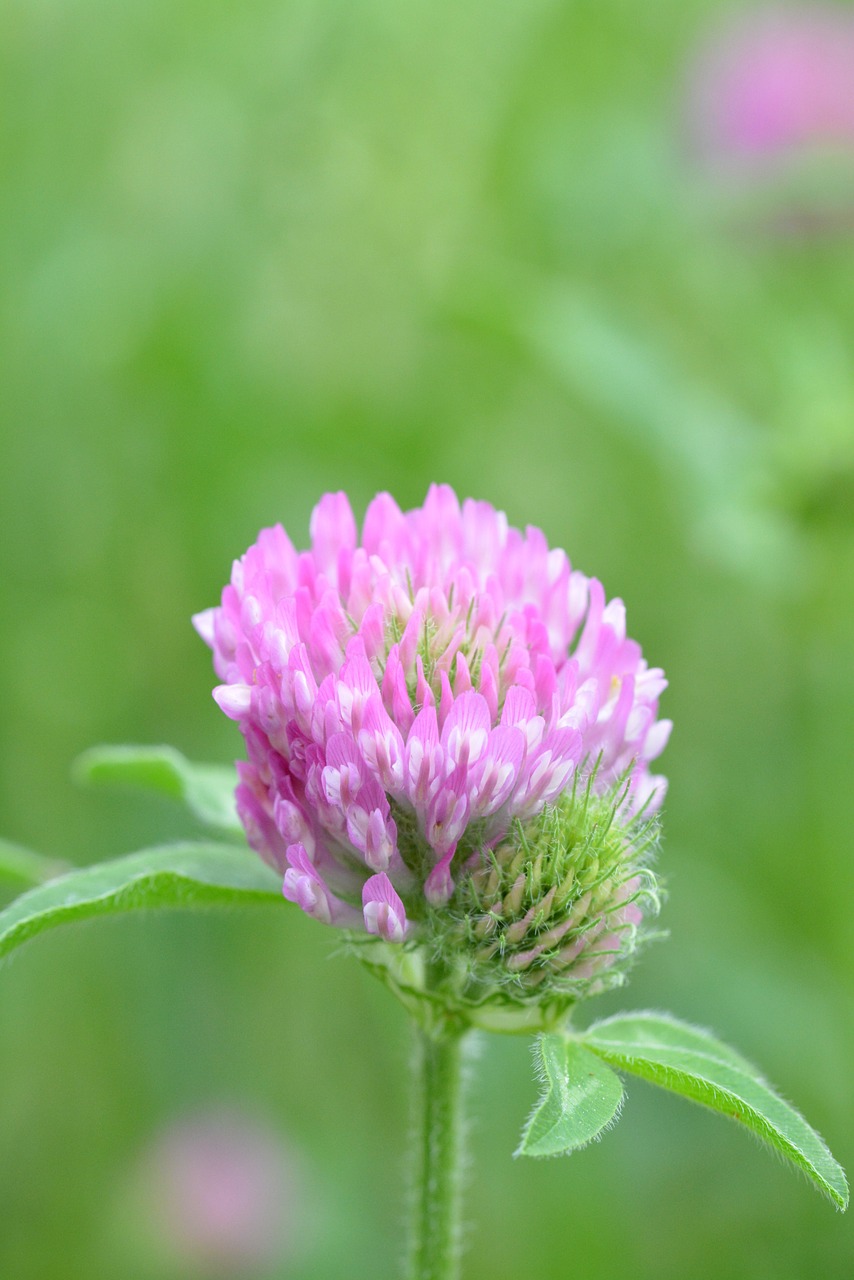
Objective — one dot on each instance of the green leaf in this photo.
(206, 789)
(693, 1063)
(581, 1097)
(177, 875)
(19, 866)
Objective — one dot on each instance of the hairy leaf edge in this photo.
(141, 892)
(543, 1078)
(691, 1088)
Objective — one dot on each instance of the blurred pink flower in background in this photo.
(771, 82)
(217, 1192)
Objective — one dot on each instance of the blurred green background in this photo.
(254, 252)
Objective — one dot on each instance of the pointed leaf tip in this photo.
(581, 1098)
(689, 1061)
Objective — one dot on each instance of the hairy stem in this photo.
(437, 1139)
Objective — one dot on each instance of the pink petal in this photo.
(466, 730)
(304, 886)
(204, 624)
(381, 745)
(384, 913)
(500, 768)
(234, 699)
(385, 531)
(332, 529)
(439, 886)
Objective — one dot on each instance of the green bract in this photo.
(547, 917)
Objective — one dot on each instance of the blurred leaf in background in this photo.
(251, 253)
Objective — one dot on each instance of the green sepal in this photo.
(691, 1062)
(206, 789)
(177, 875)
(581, 1098)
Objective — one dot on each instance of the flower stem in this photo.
(437, 1138)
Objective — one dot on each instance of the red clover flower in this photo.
(449, 737)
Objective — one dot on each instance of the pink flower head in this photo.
(775, 79)
(406, 696)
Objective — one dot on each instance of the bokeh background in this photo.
(592, 261)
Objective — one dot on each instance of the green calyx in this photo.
(555, 912)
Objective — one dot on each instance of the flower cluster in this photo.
(418, 707)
